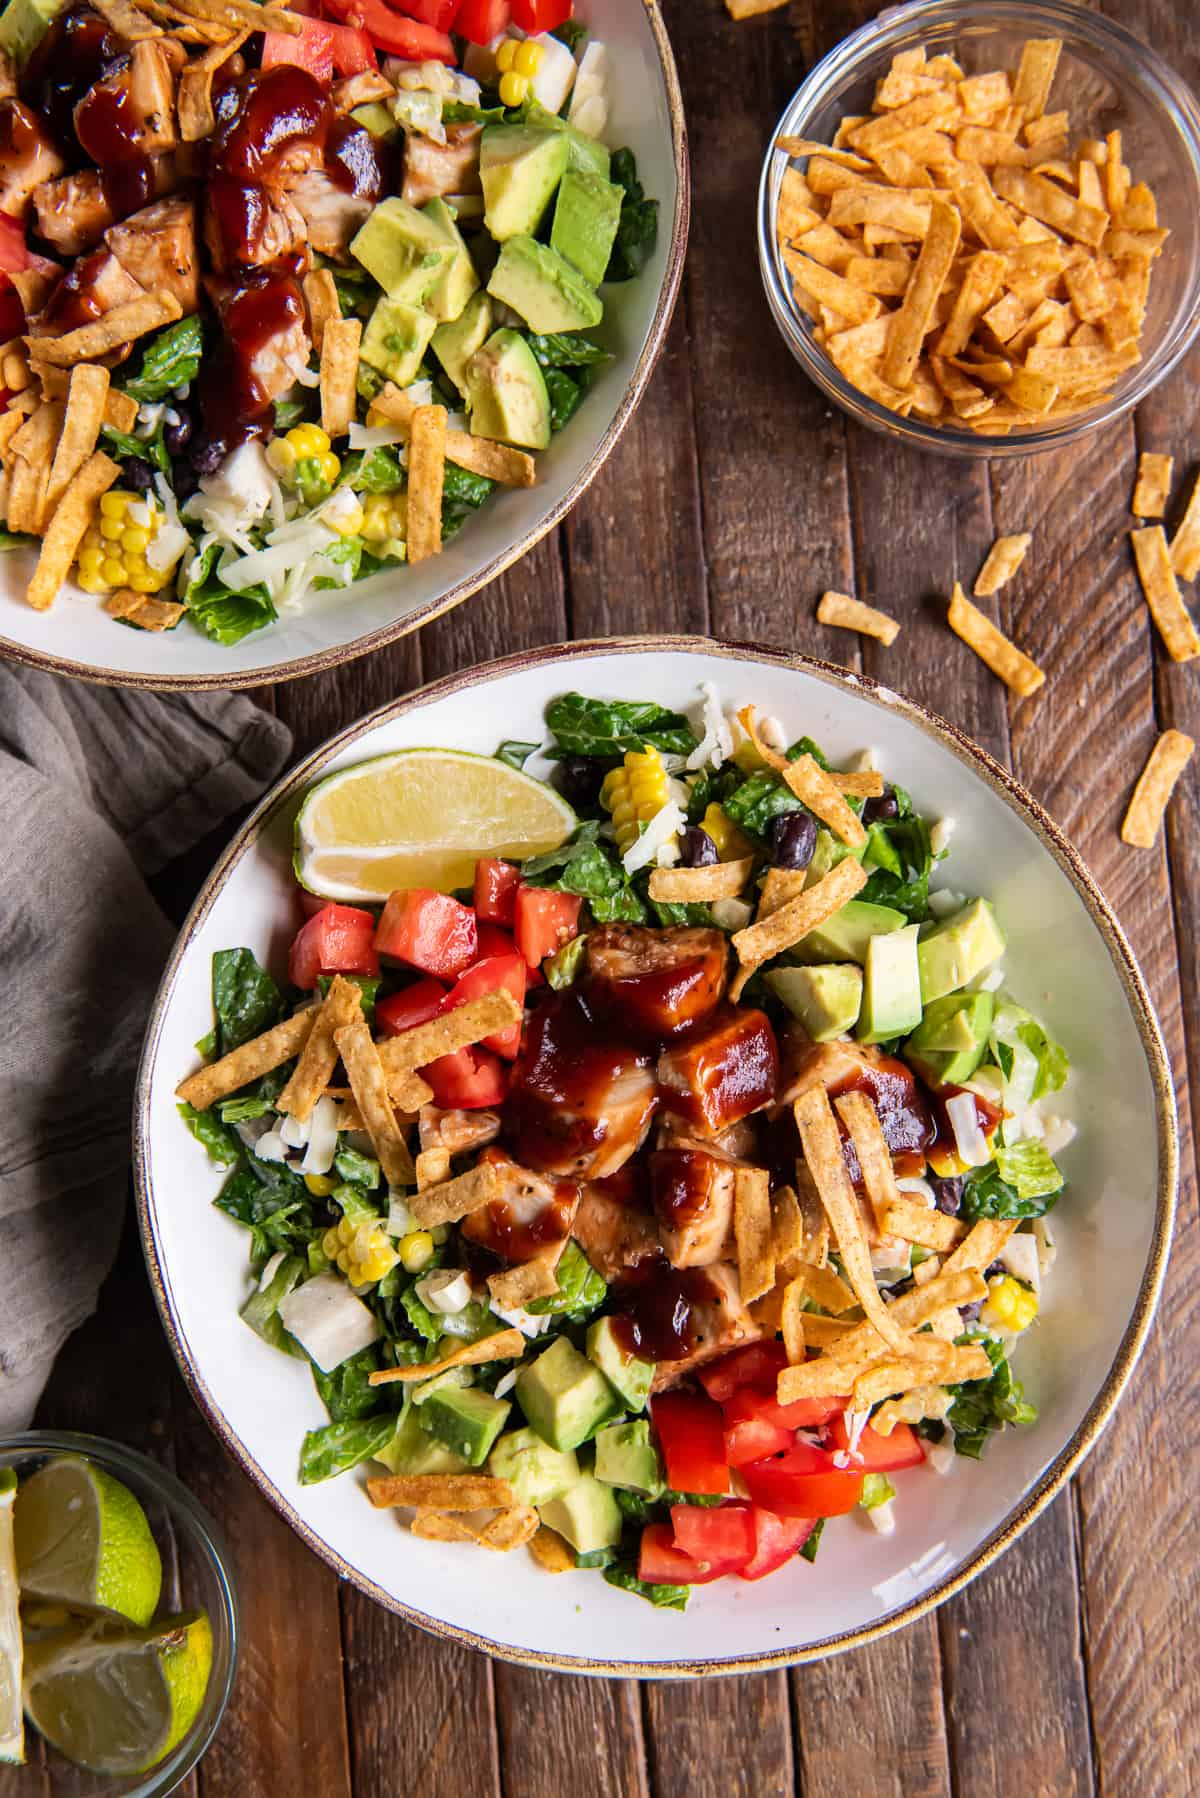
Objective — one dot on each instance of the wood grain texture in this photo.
(879, 1707)
(715, 1738)
(549, 1722)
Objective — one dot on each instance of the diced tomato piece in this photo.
(503, 973)
(753, 1439)
(660, 1563)
(430, 931)
(391, 31)
(12, 312)
(496, 884)
(468, 1080)
(353, 51)
(810, 1413)
(759, 1364)
(336, 940)
(544, 921)
(776, 1540)
(412, 1005)
(439, 14)
(880, 1454)
(691, 1435)
(479, 21)
(750, 1406)
(803, 1482)
(14, 256)
(493, 940)
(720, 1537)
(541, 15)
(310, 48)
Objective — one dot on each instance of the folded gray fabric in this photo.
(98, 787)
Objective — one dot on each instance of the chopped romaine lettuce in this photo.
(813, 1541)
(222, 1145)
(671, 1598)
(982, 1406)
(246, 999)
(345, 1392)
(986, 1193)
(581, 1290)
(171, 359)
(610, 727)
(1030, 1169)
(338, 1446)
(261, 1310)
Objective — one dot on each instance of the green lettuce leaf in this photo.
(171, 359)
(610, 727)
(1030, 1169)
(345, 1391)
(637, 231)
(567, 349)
(813, 1541)
(337, 1447)
(261, 1310)
(514, 754)
(983, 1406)
(223, 1146)
(986, 1193)
(671, 1598)
(758, 800)
(581, 1290)
(226, 616)
(245, 998)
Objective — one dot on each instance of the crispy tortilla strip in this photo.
(952, 1365)
(861, 783)
(14, 366)
(791, 1322)
(426, 471)
(935, 110)
(929, 277)
(446, 1203)
(685, 886)
(127, 20)
(962, 1286)
(502, 1345)
(155, 614)
(339, 379)
(980, 289)
(752, 1232)
(1035, 75)
(876, 275)
(1003, 560)
(819, 792)
(441, 1526)
(516, 1286)
(319, 1057)
(825, 1288)
(815, 1250)
(197, 119)
(750, 9)
(824, 1378)
(368, 1083)
(826, 1332)
(768, 937)
(123, 603)
(1168, 759)
(823, 1152)
(808, 146)
(479, 455)
(874, 1157)
(779, 888)
(828, 289)
(457, 1029)
(259, 1056)
(1153, 488)
(235, 14)
(81, 428)
(787, 1228)
(433, 1168)
(916, 1223)
(120, 410)
(65, 531)
(510, 1528)
(321, 298)
(1185, 544)
(1162, 593)
(978, 1250)
(1014, 668)
(748, 720)
(906, 212)
(440, 1491)
(551, 1552)
(1041, 199)
(123, 324)
(32, 450)
(1082, 368)
(849, 614)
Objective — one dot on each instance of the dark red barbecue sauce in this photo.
(79, 50)
(656, 1303)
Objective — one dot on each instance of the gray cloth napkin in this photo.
(98, 787)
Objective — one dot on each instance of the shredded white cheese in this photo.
(715, 733)
(969, 1139)
(322, 1138)
(940, 834)
(661, 831)
(943, 902)
(446, 1290)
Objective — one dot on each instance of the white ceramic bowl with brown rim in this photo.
(1067, 958)
(77, 638)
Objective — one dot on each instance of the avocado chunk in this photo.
(827, 999)
(506, 392)
(535, 1471)
(627, 1374)
(587, 1514)
(455, 343)
(845, 936)
(404, 249)
(23, 25)
(396, 338)
(625, 1456)
(466, 1420)
(951, 1039)
(829, 851)
(587, 154)
(564, 1396)
(456, 281)
(891, 1004)
(519, 168)
(376, 118)
(413, 1450)
(543, 287)
(958, 949)
(586, 215)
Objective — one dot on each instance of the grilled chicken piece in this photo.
(247, 225)
(74, 212)
(839, 1067)
(533, 1215)
(721, 1071)
(28, 156)
(87, 291)
(717, 1322)
(158, 247)
(457, 1131)
(451, 168)
(361, 89)
(614, 1237)
(693, 1201)
(743, 1141)
(657, 982)
(332, 216)
(131, 113)
(580, 1102)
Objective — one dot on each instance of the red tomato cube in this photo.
(803, 1482)
(495, 973)
(468, 1080)
(719, 1537)
(437, 14)
(491, 939)
(336, 940)
(412, 1005)
(541, 15)
(690, 1432)
(758, 1364)
(479, 21)
(660, 1563)
(496, 884)
(311, 49)
(880, 1454)
(544, 921)
(776, 1540)
(430, 931)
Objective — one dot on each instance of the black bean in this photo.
(697, 849)
(969, 1313)
(206, 458)
(184, 479)
(995, 1267)
(137, 474)
(793, 838)
(947, 1193)
(578, 779)
(878, 811)
(177, 437)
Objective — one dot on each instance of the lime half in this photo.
(117, 1700)
(420, 818)
(12, 1728)
(82, 1539)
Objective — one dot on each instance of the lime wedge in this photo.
(82, 1539)
(117, 1700)
(420, 818)
(12, 1728)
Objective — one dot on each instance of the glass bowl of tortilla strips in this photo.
(979, 224)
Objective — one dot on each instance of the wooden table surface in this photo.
(735, 498)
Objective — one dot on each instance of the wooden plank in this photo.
(549, 1723)
(872, 1719)
(708, 1738)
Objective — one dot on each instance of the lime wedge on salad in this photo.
(117, 1700)
(82, 1539)
(12, 1728)
(420, 818)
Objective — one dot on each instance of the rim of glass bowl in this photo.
(1142, 67)
(205, 1538)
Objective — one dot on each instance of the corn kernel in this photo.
(346, 522)
(345, 1231)
(528, 59)
(281, 455)
(111, 529)
(1010, 1304)
(416, 1251)
(506, 54)
(330, 1243)
(134, 539)
(112, 570)
(344, 1261)
(112, 505)
(330, 466)
(90, 559)
(634, 793)
(143, 581)
(730, 841)
(320, 1185)
(513, 88)
(93, 583)
(308, 440)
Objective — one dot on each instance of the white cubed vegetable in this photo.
(943, 902)
(328, 1321)
(969, 1139)
(322, 1138)
(506, 1383)
(772, 733)
(271, 1269)
(522, 1320)
(918, 1190)
(591, 83)
(732, 914)
(446, 1290)
(556, 75)
(939, 836)
(867, 761)
(1057, 1133)
(592, 116)
(1047, 1251)
(1020, 1256)
(294, 1132)
(941, 1456)
(883, 1517)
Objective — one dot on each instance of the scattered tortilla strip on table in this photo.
(1153, 488)
(455, 1198)
(916, 1223)
(1185, 544)
(752, 1232)
(700, 886)
(874, 1157)
(368, 1083)
(768, 937)
(441, 1491)
(849, 614)
(1003, 560)
(458, 1029)
(750, 9)
(517, 1286)
(502, 1345)
(123, 324)
(319, 1056)
(819, 791)
(1017, 670)
(1157, 575)
(261, 1055)
(1168, 759)
(339, 376)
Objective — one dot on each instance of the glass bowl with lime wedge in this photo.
(118, 1620)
